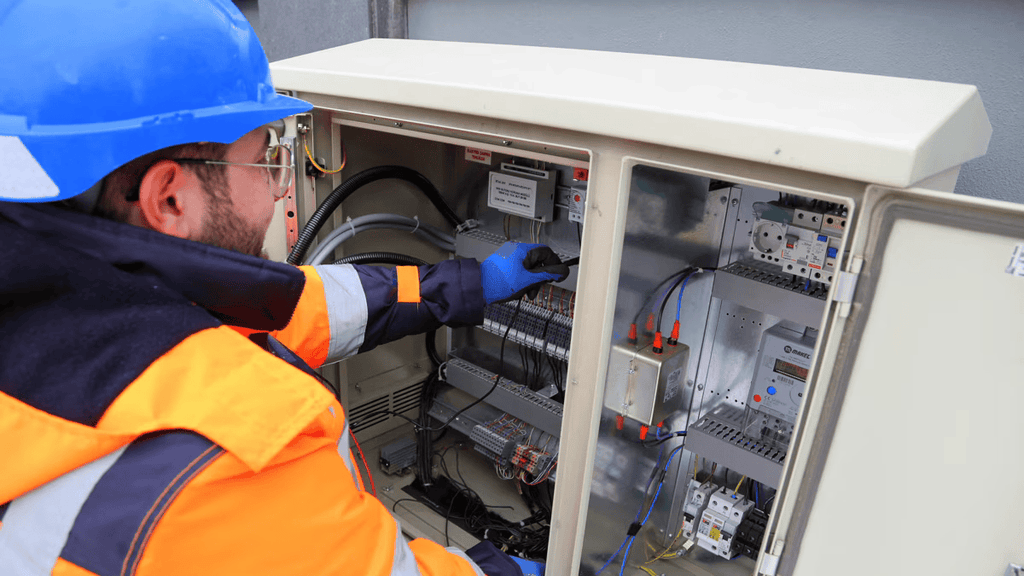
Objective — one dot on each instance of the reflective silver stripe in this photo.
(463, 555)
(37, 524)
(346, 453)
(346, 309)
(404, 563)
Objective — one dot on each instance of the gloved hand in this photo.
(516, 269)
(492, 561)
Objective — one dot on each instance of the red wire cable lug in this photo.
(643, 432)
(674, 338)
(620, 421)
(657, 347)
(632, 333)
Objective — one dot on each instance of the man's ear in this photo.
(170, 200)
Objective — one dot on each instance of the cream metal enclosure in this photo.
(811, 201)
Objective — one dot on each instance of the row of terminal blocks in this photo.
(532, 326)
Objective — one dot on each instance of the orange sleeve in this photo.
(308, 332)
(302, 514)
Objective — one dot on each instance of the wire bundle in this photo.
(634, 528)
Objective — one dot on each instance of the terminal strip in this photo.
(533, 326)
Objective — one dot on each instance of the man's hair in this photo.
(121, 186)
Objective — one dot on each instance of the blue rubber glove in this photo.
(492, 561)
(515, 269)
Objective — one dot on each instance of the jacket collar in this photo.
(237, 289)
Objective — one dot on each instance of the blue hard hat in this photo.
(88, 85)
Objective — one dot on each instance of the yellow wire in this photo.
(344, 158)
(648, 570)
(738, 485)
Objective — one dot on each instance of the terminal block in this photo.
(530, 458)
(751, 533)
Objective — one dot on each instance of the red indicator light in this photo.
(757, 397)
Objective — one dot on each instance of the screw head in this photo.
(506, 142)
(398, 124)
(735, 201)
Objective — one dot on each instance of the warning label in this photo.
(512, 194)
(478, 155)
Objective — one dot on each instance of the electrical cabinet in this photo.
(785, 342)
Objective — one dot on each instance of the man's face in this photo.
(239, 210)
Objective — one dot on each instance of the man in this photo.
(157, 407)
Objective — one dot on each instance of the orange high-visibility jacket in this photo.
(143, 435)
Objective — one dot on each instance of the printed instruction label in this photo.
(478, 155)
(512, 194)
(674, 384)
(1016, 267)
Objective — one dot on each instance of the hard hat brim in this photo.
(109, 145)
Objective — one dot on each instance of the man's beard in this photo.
(225, 229)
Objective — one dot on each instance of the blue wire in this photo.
(807, 285)
(628, 548)
(630, 539)
(679, 301)
(614, 556)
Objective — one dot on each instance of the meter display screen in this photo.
(792, 370)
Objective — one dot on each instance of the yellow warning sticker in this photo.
(716, 534)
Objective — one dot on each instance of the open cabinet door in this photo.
(916, 463)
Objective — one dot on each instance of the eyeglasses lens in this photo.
(279, 158)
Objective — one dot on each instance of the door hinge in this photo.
(770, 561)
(846, 286)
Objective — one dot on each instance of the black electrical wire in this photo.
(497, 377)
(388, 258)
(653, 293)
(348, 187)
(685, 274)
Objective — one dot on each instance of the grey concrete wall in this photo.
(979, 43)
(289, 28)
